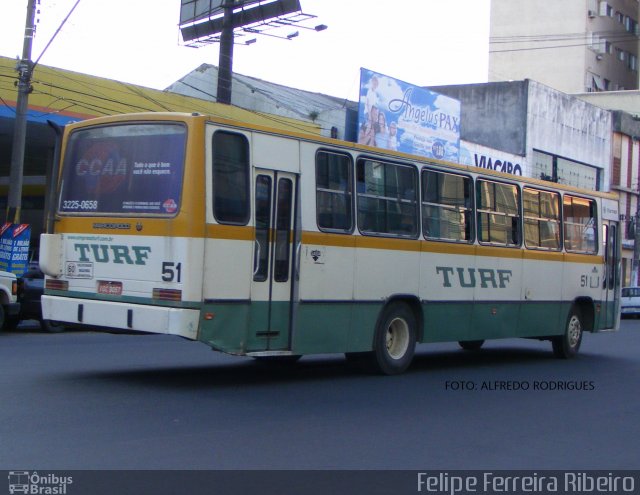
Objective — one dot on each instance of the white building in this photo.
(337, 116)
(575, 46)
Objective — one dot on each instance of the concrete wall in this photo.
(493, 114)
(522, 116)
(569, 127)
(627, 101)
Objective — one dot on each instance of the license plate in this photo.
(109, 288)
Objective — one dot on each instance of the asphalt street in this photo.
(83, 400)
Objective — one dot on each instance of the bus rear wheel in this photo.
(394, 341)
(567, 345)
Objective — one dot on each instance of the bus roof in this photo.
(283, 127)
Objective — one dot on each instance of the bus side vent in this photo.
(80, 312)
(130, 318)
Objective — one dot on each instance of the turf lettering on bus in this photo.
(105, 253)
(469, 278)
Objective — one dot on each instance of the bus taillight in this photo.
(56, 284)
(167, 294)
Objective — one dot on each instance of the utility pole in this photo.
(225, 60)
(24, 69)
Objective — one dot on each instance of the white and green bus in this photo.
(270, 243)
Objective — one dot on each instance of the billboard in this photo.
(14, 248)
(398, 116)
(210, 18)
(196, 10)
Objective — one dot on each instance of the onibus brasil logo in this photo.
(38, 484)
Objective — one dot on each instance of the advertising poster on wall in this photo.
(14, 248)
(398, 116)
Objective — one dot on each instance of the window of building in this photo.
(447, 209)
(498, 213)
(387, 198)
(579, 219)
(334, 192)
(541, 212)
(231, 178)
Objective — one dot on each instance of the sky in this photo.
(422, 42)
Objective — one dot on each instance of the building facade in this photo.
(336, 117)
(625, 168)
(575, 46)
(548, 134)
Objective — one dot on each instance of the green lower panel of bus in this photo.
(330, 327)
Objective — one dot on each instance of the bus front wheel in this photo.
(394, 341)
(567, 345)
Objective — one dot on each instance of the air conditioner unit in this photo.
(592, 14)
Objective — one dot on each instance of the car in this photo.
(630, 302)
(9, 307)
(30, 290)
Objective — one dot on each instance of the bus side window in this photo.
(446, 206)
(231, 178)
(334, 192)
(387, 198)
(579, 216)
(498, 208)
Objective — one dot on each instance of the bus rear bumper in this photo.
(122, 316)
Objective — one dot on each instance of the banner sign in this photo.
(475, 155)
(14, 248)
(399, 116)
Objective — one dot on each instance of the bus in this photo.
(276, 244)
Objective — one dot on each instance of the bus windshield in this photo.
(124, 170)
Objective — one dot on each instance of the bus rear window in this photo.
(127, 169)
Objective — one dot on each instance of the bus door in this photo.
(273, 279)
(611, 283)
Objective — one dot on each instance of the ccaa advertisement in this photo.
(399, 116)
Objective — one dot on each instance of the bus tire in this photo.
(567, 345)
(50, 326)
(394, 342)
(471, 345)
